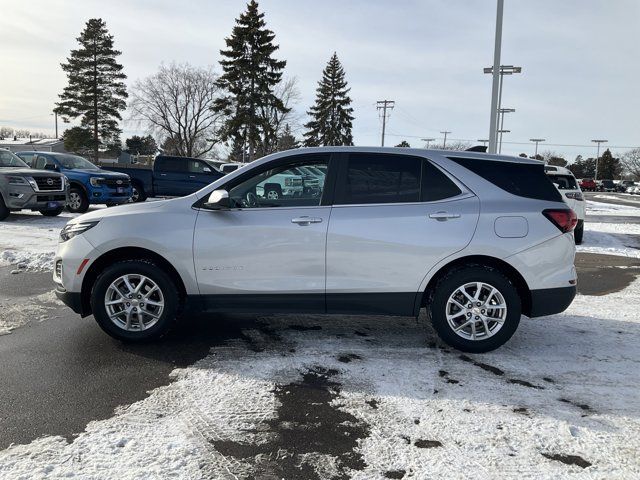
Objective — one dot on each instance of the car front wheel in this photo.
(78, 202)
(135, 300)
(475, 309)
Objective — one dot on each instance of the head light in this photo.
(17, 180)
(96, 181)
(73, 229)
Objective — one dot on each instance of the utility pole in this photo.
(384, 105)
(537, 141)
(428, 140)
(56, 117)
(496, 77)
(598, 155)
(444, 143)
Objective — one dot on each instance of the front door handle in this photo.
(306, 220)
(443, 216)
(163, 174)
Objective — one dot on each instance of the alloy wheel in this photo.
(476, 311)
(134, 302)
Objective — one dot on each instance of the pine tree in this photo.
(331, 115)
(608, 166)
(95, 92)
(250, 74)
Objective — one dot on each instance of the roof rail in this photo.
(477, 148)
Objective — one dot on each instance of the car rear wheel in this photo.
(579, 232)
(135, 300)
(78, 201)
(52, 213)
(475, 309)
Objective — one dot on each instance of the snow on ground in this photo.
(601, 208)
(611, 239)
(376, 398)
(29, 239)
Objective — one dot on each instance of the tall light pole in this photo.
(496, 77)
(537, 141)
(428, 140)
(483, 141)
(502, 130)
(444, 143)
(598, 155)
(504, 70)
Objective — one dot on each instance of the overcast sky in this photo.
(580, 60)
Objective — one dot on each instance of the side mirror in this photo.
(206, 170)
(218, 200)
(51, 166)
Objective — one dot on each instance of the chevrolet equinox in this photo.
(476, 239)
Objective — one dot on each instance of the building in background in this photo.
(37, 144)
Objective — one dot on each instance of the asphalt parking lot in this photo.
(65, 372)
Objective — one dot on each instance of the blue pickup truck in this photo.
(169, 177)
(88, 183)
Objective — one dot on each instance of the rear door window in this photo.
(171, 164)
(564, 182)
(522, 179)
(380, 178)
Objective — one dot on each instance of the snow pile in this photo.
(15, 312)
(559, 400)
(28, 239)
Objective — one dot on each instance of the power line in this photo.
(384, 105)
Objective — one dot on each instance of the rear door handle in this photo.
(306, 220)
(192, 176)
(163, 174)
(443, 216)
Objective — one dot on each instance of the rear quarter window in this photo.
(522, 179)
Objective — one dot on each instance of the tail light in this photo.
(574, 195)
(563, 218)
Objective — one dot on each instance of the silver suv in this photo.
(477, 239)
(22, 188)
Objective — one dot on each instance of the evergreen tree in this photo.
(78, 140)
(404, 144)
(608, 166)
(331, 115)
(137, 145)
(287, 141)
(250, 76)
(95, 92)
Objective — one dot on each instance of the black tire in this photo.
(52, 213)
(137, 193)
(83, 205)
(164, 282)
(579, 232)
(272, 191)
(448, 284)
(4, 211)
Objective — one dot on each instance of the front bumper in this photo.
(548, 301)
(105, 194)
(21, 197)
(72, 300)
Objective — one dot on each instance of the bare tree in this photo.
(631, 162)
(176, 104)
(552, 158)
(454, 145)
(287, 91)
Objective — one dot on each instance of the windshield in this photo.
(564, 182)
(74, 161)
(9, 159)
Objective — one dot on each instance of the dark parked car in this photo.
(169, 177)
(606, 186)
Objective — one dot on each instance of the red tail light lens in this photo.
(563, 218)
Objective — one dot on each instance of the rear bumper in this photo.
(548, 301)
(72, 300)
